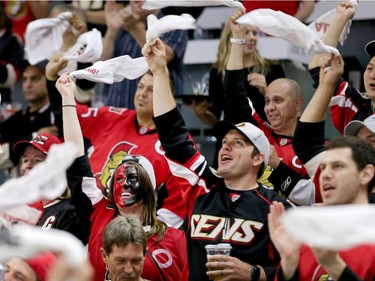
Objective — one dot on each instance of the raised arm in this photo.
(344, 12)
(331, 69)
(236, 103)
(308, 140)
(71, 126)
(155, 55)
(235, 61)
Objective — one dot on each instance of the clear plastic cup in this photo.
(218, 249)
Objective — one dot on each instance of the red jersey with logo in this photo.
(217, 214)
(164, 260)
(360, 260)
(114, 132)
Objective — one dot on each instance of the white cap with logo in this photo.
(352, 128)
(255, 135)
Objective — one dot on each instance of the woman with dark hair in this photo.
(131, 191)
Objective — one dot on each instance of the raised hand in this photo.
(331, 69)
(346, 10)
(54, 66)
(285, 244)
(238, 31)
(259, 81)
(114, 16)
(155, 55)
(66, 87)
(227, 268)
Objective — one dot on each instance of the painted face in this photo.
(126, 188)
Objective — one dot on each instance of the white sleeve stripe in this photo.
(90, 188)
(182, 172)
(169, 218)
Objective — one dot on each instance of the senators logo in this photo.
(115, 156)
(212, 227)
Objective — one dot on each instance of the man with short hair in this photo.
(348, 158)
(283, 106)
(224, 206)
(124, 248)
(26, 123)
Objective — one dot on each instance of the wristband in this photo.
(68, 105)
(255, 273)
(239, 41)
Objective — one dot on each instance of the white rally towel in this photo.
(47, 180)
(331, 227)
(159, 4)
(88, 48)
(113, 70)
(320, 25)
(23, 214)
(281, 25)
(157, 27)
(43, 37)
(25, 241)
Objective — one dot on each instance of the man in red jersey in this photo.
(115, 132)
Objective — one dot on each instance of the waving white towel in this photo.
(88, 48)
(158, 4)
(47, 180)
(281, 25)
(320, 25)
(157, 27)
(113, 70)
(43, 37)
(332, 227)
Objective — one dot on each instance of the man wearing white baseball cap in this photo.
(224, 206)
(363, 129)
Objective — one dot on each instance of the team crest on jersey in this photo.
(325, 277)
(114, 157)
(234, 196)
(283, 141)
(117, 110)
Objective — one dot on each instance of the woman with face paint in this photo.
(131, 192)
